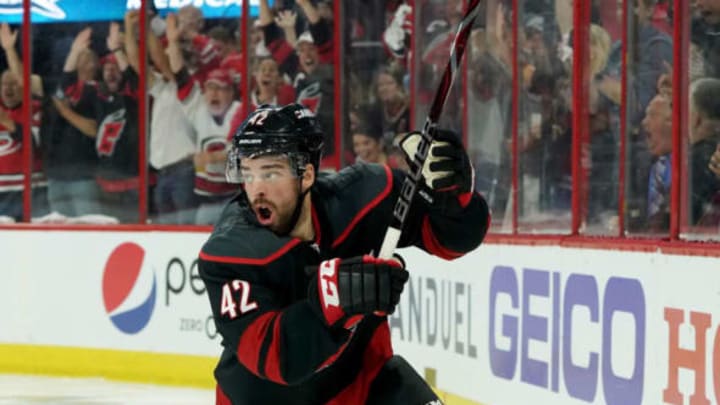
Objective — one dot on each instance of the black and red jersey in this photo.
(11, 150)
(117, 140)
(70, 154)
(284, 53)
(313, 90)
(276, 349)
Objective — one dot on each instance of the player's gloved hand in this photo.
(360, 285)
(447, 167)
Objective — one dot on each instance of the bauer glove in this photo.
(447, 167)
(360, 285)
(448, 172)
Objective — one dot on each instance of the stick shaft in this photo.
(412, 179)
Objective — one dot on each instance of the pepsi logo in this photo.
(128, 288)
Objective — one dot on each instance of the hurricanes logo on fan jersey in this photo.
(46, 8)
(8, 145)
(310, 97)
(128, 288)
(110, 132)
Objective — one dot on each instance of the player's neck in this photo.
(304, 227)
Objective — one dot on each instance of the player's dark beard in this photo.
(297, 209)
(285, 220)
(284, 225)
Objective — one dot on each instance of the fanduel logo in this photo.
(46, 8)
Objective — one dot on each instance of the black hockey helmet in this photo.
(290, 130)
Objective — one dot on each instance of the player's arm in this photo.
(189, 93)
(87, 126)
(320, 29)
(280, 49)
(174, 53)
(7, 122)
(115, 43)
(80, 43)
(449, 217)
(8, 39)
(131, 82)
(266, 16)
(290, 343)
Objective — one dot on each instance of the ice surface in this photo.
(29, 389)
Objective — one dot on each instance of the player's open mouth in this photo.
(264, 215)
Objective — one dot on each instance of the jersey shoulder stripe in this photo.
(352, 193)
(235, 240)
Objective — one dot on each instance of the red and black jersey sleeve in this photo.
(81, 94)
(448, 227)
(258, 298)
(323, 39)
(285, 344)
(208, 56)
(283, 53)
(360, 201)
(130, 83)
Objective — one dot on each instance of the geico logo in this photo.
(582, 332)
(178, 276)
(327, 283)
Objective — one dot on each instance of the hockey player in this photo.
(298, 299)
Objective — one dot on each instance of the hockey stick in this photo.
(410, 184)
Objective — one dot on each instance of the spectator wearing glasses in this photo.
(213, 113)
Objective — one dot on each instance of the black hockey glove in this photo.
(357, 286)
(447, 167)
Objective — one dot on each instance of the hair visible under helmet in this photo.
(291, 130)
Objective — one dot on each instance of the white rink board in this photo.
(602, 356)
(53, 282)
(514, 324)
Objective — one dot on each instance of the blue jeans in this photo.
(121, 205)
(73, 198)
(174, 197)
(11, 203)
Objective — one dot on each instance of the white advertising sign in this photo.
(513, 325)
(504, 325)
(122, 290)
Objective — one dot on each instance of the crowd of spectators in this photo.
(85, 115)
(545, 114)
